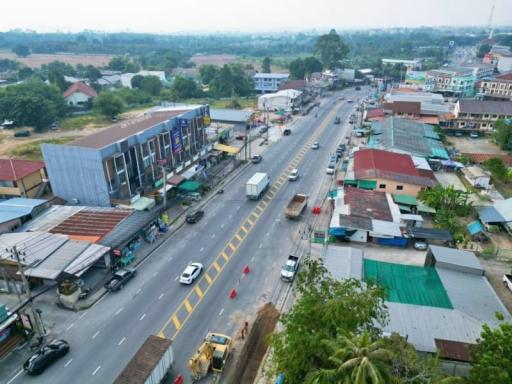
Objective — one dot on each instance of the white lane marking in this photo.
(138, 291)
(70, 326)
(221, 312)
(142, 317)
(96, 334)
(252, 259)
(122, 341)
(82, 315)
(260, 246)
(119, 311)
(177, 277)
(201, 250)
(69, 362)
(213, 236)
(15, 376)
(222, 225)
(161, 295)
(96, 370)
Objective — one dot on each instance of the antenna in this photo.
(489, 24)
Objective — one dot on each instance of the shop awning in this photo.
(189, 186)
(367, 184)
(175, 180)
(405, 200)
(143, 204)
(405, 208)
(227, 148)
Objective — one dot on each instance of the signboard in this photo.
(117, 252)
(183, 123)
(176, 141)
(415, 77)
(27, 324)
(207, 120)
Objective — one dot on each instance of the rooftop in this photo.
(298, 85)
(271, 75)
(479, 158)
(369, 204)
(344, 262)
(13, 170)
(455, 257)
(230, 115)
(80, 87)
(486, 106)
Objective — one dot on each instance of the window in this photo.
(382, 186)
(399, 187)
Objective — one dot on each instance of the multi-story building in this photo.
(478, 115)
(480, 70)
(269, 82)
(451, 81)
(22, 178)
(121, 162)
(409, 64)
(494, 89)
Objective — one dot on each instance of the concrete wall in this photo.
(408, 189)
(76, 173)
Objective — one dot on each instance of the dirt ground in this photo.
(219, 60)
(469, 145)
(36, 60)
(494, 271)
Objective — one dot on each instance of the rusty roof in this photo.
(369, 204)
(453, 350)
(91, 222)
(125, 129)
(13, 170)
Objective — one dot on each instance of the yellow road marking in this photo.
(161, 334)
(187, 305)
(230, 245)
(250, 221)
(216, 266)
(224, 255)
(176, 322)
(208, 278)
(244, 229)
(239, 238)
(198, 291)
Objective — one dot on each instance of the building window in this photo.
(382, 186)
(6, 183)
(399, 187)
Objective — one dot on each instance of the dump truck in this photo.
(289, 270)
(150, 364)
(212, 354)
(296, 205)
(257, 185)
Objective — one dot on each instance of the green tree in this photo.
(92, 73)
(56, 78)
(231, 80)
(108, 104)
(183, 88)
(325, 308)
(503, 130)
(207, 72)
(447, 198)
(136, 81)
(123, 64)
(482, 50)
(265, 65)
(357, 359)
(331, 49)
(151, 85)
(498, 170)
(312, 64)
(21, 50)
(297, 69)
(32, 103)
(25, 73)
(493, 356)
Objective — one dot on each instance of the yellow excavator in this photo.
(212, 353)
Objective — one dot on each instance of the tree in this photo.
(136, 81)
(265, 66)
(109, 104)
(92, 73)
(231, 80)
(32, 103)
(482, 50)
(151, 85)
(498, 170)
(25, 73)
(312, 64)
(331, 49)
(57, 78)
(21, 50)
(207, 72)
(123, 64)
(357, 359)
(297, 69)
(325, 309)
(503, 130)
(493, 356)
(183, 88)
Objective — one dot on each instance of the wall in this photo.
(30, 183)
(77, 98)
(409, 189)
(9, 191)
(76, 173)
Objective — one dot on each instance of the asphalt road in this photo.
(105, 337)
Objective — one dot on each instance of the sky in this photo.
(197, 16)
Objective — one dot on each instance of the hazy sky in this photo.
(168, 16)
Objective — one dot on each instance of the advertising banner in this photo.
(176, 141)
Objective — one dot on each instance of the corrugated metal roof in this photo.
(51, 218)
(453, 350)
(86, 259)
(490, 215)
(504, 208)
(344, 262)
(456, 257)
(230, 115)
(35, 246)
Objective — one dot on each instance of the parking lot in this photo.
(468, 145)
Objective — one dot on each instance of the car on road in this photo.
(194, 217)
(191, 273)
(256, 159)
(287, 131)
(293, 175)
(358, 88)
(120, 278)
(45, 357)
(341, 98)
(263, 129)
(350, 101)
(507, 281)
(474, 135)
(241, 137)
(459, 134)
(420, 245)
(330, 168)
(315, 145)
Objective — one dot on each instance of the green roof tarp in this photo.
(408, 284)
(189, 186)
(367, 184)
(405, 199)
(425, 208)
(350, 182)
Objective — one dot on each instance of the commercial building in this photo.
(16, 211)
(497, 89)
(286, 100)
(478, 115)
(453, 81)
(409, 64)
(22, 178)
(269, 82)
(119, 164)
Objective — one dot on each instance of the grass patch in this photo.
(504, 188)
(81, 121)
(32, 150)
(245, 102)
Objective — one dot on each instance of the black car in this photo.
(120, 278)
(46, 356)
(256, 159)
(358, 88)
(194, 217)
(263, 129)
(22, 134)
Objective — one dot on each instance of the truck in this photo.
(507, 280)
(296, 205)
(289, 270)
(212, 354)
(257, 185)
(150, 364)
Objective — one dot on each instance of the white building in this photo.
(79, 94)
(282, 100)
(269, 82)
(477, 177)
(505, 64)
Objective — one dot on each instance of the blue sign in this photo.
(183, 123)
(176, 141)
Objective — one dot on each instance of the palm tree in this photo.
(357, 360)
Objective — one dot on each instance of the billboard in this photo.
(415, 77)
(176, 140)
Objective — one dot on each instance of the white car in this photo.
(330, 169)
(315, 145)
(190, 273)
(294, 175)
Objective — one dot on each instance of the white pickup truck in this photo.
(507, 280)
(289, 270)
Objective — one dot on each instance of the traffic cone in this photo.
(232, 293)
(179, 380)
(246, 270)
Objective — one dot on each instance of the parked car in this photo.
(256, 159)
(194, 217)
(293, 175)
(350, 101)
(241, 137)
(45, 357)
(341, 98)
(191, 196)
(420, 244)
(358, 88)
(474, 135)
(54, 126)
(190, 273)
(459, 134)
(120, 278)
(287, 131)
(315, 145)
(22, 134)
(337, 120)
(263, 129)
(330, 169)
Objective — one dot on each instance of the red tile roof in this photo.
(80, 87)
(14, 170)
(376, 163)
(374, 113)
(480, 158)
(368, 204)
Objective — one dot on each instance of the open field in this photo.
(32, 150)
(36, 60)
(219, 60)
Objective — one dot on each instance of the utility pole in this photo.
(38, 327)
(162, 163)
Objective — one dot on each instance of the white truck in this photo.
(507, 280)
(289, 270)
(257, 185)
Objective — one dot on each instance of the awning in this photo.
(189, 186)
(425, 208)
(367, 184)
(405, 199)
(176, 180)
(337, 231)
(404, 208)
(430, 233)
(489, 214)
(227, 148)
(143, 204)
